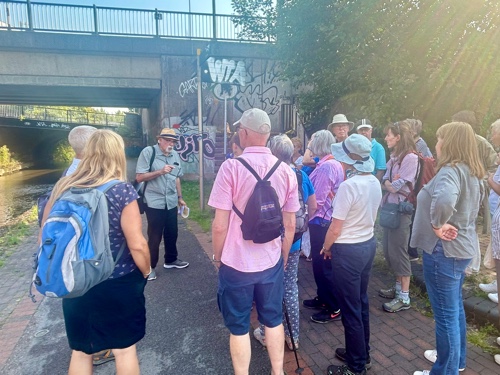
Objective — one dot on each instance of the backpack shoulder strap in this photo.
(108, 185)
(270, 173)
(153, 155)
(247, 166)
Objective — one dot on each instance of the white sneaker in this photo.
(498, 340)
(489, 288)
(152, 275)
(497, 359)
(431, 356)
(425, 372)
(493, 297)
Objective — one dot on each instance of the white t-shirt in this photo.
(357, 202)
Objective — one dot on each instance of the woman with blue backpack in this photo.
(112, 313)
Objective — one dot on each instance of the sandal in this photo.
(288, 341)
(102, 357)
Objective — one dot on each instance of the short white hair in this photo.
(282, 147)
(495, 127)
(321, 143)
(78, 137)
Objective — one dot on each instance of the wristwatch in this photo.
(215, 260)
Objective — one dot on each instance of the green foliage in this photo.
(390, 59)
(259, 21)
(63, 154)
(11, 236)
(7, 162)
(191, 194)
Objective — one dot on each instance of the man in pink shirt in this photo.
(250, 271)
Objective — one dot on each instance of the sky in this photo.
(198, 6)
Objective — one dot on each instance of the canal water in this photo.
(19, 191)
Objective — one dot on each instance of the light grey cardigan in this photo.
(453, 196)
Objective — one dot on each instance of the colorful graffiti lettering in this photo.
(188, 147)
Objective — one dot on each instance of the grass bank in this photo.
(191, 194)
(12, 235)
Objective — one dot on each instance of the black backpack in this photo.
(301, 216)
(262, 220)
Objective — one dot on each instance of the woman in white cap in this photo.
(351, 246)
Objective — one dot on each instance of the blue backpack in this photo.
(74, 253)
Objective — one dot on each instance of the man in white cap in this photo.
(364, 127)
(252, 271)
(163, 195)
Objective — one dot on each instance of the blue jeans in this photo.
(352, 265)
(444, 278)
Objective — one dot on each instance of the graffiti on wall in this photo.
(226, 71)
(190, 86)
(188, 144)
(248, 89)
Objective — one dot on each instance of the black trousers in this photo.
(322, 268)
(162, 223)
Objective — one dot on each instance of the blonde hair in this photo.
(459, 145)
(104, 160)
(297, 142)
(406, 143)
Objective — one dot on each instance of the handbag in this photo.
(488, 261)
(390, 216)
(140, 187)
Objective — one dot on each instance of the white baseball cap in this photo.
(254, 119)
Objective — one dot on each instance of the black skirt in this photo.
(111, 315)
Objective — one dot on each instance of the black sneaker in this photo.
(325, 316)
(340, 353)
(314, 303)
(343, 370)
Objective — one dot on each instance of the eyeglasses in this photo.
(341, 125)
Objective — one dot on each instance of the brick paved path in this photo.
(16, 309)
(397, 341)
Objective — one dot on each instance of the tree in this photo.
(390, 59)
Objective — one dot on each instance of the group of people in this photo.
(101, 325)
(350, 180)
(343, 182)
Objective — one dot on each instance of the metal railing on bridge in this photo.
(65, 18)
(69, 116)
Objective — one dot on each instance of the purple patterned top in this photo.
(326, 179)
(118, 197)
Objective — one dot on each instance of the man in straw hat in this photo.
(163, 195)
(340, 128)
(252, 271)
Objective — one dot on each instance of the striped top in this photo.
(399, 174)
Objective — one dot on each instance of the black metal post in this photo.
(96, 26)
(30, 15)
(157, 21)
(214, 21)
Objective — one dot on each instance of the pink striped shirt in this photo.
(401, 174)
(234, 183)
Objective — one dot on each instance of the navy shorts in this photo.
(237, 290)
